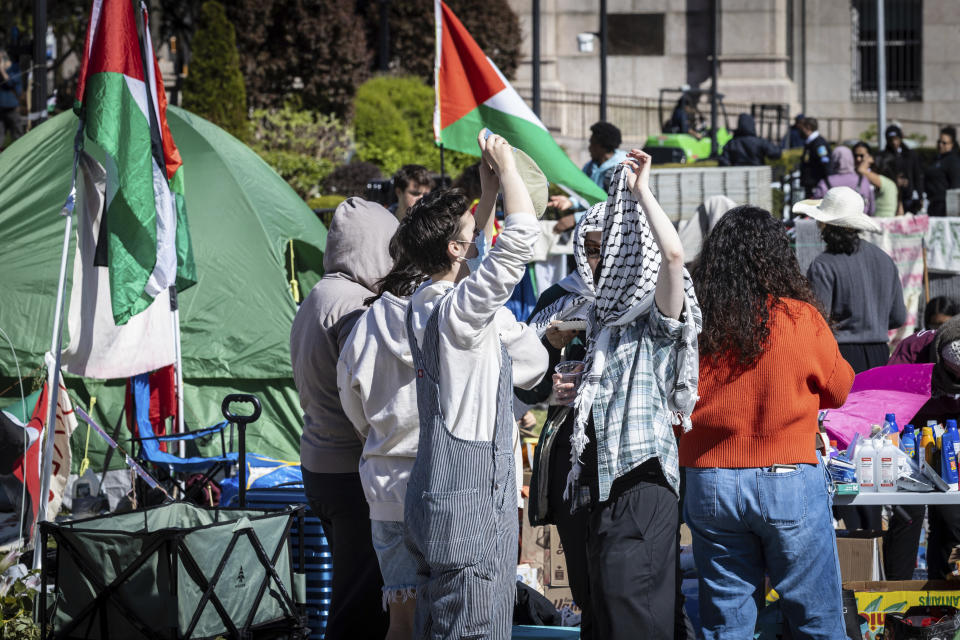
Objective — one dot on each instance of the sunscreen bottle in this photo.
(948, 462)
(927, 445)
(908, 442)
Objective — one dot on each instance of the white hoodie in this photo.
(376, 379)
(378, 392)
(472, 326)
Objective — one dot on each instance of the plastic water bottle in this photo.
(888, 469)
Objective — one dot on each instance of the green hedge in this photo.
(393, 124)
(302, 146)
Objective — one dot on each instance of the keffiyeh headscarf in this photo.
(574, 306)
(625, 289)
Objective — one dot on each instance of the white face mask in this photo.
(474, 263)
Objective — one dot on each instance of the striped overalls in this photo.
(461, 509)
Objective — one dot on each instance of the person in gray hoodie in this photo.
(357, 256)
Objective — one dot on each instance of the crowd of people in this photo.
(674, 394)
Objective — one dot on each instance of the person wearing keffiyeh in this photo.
(569, 299)
(640, 382)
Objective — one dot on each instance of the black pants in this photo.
(571, 527)
(632, 552)
(902, 539)
(356, 610)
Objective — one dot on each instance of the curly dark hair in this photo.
(402, 279)
(746, 260)
(606, 135)
(840, 239)
(429, 226)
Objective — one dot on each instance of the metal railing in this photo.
(569, 114)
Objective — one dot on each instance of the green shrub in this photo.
(302, 146)
(393, 124)
(303, 173)
(325, 202)
(777, 198)
(214, 87)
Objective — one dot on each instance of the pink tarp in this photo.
(900, 389)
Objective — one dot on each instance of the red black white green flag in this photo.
(473, 94)
(145, 242)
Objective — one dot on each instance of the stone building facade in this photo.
(813, 56)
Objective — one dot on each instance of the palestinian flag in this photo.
(144, 241)
(473, 94)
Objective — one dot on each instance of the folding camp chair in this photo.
(149, 450)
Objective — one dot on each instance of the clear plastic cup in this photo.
(570, 371)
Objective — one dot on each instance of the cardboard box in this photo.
(861, 555)
(540, 547)
(557, 562)
(876, 599)
(561, 597)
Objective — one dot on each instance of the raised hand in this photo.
(638, 181)
(498, 154)
(489, 182)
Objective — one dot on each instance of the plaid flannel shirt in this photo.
(630, 415)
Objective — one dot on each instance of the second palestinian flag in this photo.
(473, 94)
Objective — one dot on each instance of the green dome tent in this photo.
(249, 230)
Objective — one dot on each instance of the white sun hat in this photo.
(842, 207)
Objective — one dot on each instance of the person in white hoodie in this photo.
(468, 351)
(377, 385)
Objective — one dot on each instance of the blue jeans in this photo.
(747, 522)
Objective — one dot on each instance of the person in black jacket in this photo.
(569, 299)
(816, 156)
(747, 149)
(905, 163)
(944, 173)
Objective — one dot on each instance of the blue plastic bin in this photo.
(317, 557)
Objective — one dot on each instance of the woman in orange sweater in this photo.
(757, 500)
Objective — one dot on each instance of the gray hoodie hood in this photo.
(358, 242)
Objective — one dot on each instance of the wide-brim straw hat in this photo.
(841, 207)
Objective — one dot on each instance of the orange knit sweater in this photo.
(768, 414)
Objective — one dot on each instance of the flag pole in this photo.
(53, 357)
(178, 367)
(442, 176)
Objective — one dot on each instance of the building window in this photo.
(903, 22)
(635, 34)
